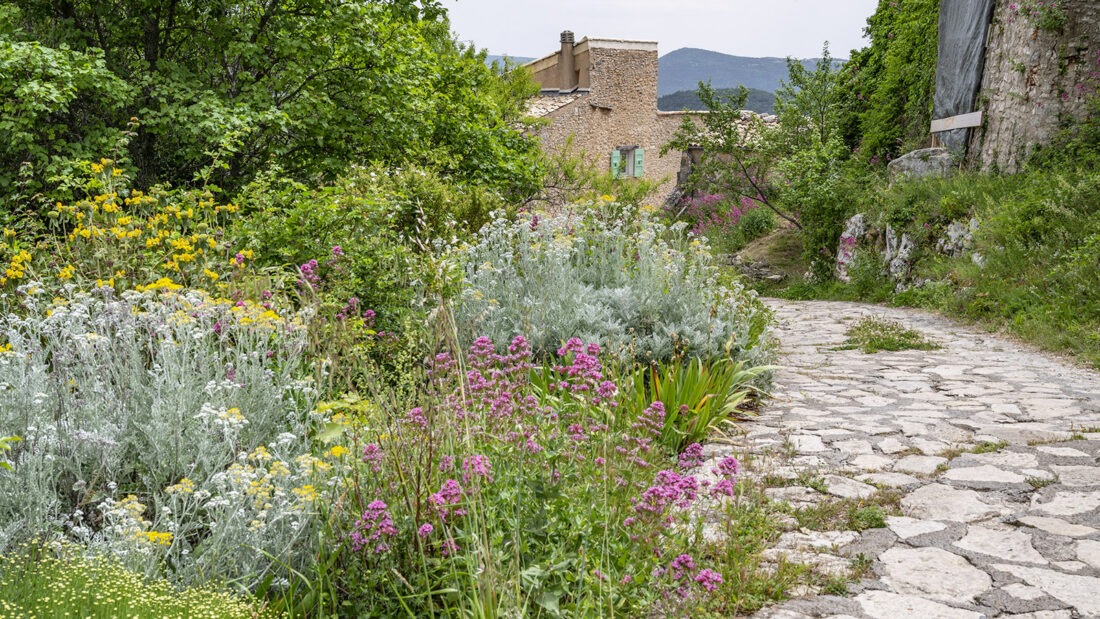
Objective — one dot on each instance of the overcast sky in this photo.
(740, 27)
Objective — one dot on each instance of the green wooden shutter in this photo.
(616, 163)
(639, 156)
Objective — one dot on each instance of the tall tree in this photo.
(313, 85)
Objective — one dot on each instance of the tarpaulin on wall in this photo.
(963, 28)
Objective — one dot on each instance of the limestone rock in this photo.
(940, 502)
(934, 573)
(921, 163)
(886, 605)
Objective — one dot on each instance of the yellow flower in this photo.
(184, 486)
(67, 272)
(306, 494)
(337, 451)
(211, 274)
(157, 538)
(163, 283)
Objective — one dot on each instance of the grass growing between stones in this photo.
(750, 529)
(981, 448)
(874, 334)
(850, 514)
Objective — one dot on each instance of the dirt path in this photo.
(995, 450)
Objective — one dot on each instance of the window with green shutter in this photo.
(627, 162)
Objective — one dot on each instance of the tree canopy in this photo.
(309, 85)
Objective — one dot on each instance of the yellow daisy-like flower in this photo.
(184, 486)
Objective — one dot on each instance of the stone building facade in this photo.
(1035, 80)
(602, 95)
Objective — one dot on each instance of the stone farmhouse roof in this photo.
(547, 103)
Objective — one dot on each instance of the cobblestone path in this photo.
(994, 449)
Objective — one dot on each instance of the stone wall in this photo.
(1034, 81)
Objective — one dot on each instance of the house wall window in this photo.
(627, 162)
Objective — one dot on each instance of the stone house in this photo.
(602, 94)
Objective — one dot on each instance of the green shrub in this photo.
(371, 236)
(638, 288)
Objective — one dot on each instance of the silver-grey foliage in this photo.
(634, 285)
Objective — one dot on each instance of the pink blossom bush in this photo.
(505, 467)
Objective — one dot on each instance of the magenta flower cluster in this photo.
(373, 528)
(714, 213)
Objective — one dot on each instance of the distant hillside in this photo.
(684, 68)
(516, 59)
(760, 101)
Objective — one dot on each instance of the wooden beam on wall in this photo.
(973, 119)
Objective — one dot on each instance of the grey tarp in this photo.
(963, 28)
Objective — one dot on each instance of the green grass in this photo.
(874, 334)
(849, 514)
(44, 582)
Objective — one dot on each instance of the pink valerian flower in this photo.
(482, 353)
(681, 564)
(728, 466)
(449, 547)
(646, 428)
(728, 469)
(372, 528)
(708, 579)
(446, 463)
(425, 530)
(372, 455)
(416, 417)
(337, 251)
(368, 317)
(476, 466)
(669, 489)
(446, 500)
(651, 421)
(724, 487)
(573, 344)
(349, 310)
(310, 273)
(692, 457)
(576, 432)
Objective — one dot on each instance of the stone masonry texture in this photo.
(1034, 81)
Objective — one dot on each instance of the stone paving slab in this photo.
(994, 447)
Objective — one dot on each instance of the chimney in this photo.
(567, 65)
